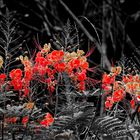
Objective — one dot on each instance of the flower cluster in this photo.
(48, 64)
(132, 83)
(132, 86)
(117, 89)
(16, 79)
(46, 67)
(47, 121)
(27, 74)
(20, 80)
(117, 96)
(77, 67)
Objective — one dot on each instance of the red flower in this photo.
(26, 92)
(75, 63)
(109, 103)
(84, 65)
(53, 72)
(42, 71)
(48, 120)
(138, 98)
(17, 84)
(48, 70)
(125, 79)
(38, 54)
(51, 89)
(107, 79)
(35, 68)
(2, 77)
(16, 74)
(25, 120)
(136, 78)
(11, 120)
(56, 55)
(118, 95)
(51, 85)
(132, 103)
(41, 60)
(81, 76)
(28, 75)
(106, 87)
(49, 116)
(60, 67)
(61, 53)
(82, 86)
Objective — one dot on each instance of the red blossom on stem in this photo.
(17, 84)
(60, 67)
(48, 65)
(82, 76)
(16, 74)
(118, 95)
(56, 55)
(2, 79)
(25, 120)
(75, 63)
(132, 103)
(47, 121)
(82, 86)
(109, 102)
(107, 79)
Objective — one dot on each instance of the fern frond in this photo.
(9, 39)
(68, 121)
(110, 126)
(69, 38)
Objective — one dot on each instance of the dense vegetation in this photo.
(69, 70)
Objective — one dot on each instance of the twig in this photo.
(56, 104)
(28, 122)
(29, 26)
